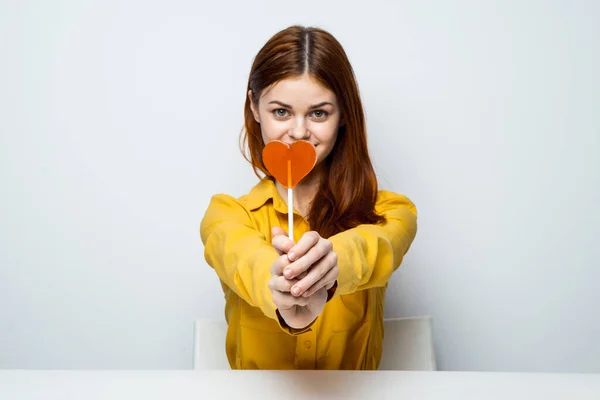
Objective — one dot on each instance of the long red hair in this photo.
(348, 190)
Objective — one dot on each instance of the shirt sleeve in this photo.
(368, 254)
(241, 256)
(238, 252)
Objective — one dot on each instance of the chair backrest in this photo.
(209, 344)
(408, 345)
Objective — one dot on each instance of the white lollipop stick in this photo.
(290, 201)
(291, 213)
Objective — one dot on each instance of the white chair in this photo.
(209, 344)
(407, 345)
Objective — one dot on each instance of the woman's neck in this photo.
(304, 192)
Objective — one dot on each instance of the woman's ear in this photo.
(253, 107)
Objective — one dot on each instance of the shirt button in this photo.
(307, 344)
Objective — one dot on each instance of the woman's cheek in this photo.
(273, 130)
(325, 132)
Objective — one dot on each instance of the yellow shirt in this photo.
(348, 334)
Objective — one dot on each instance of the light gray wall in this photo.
(119, 120)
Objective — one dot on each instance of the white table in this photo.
(282, 385)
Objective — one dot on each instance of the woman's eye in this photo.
(280, 112)
(320, 114)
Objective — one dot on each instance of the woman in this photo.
(315, 302)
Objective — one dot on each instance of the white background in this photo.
(119, 120)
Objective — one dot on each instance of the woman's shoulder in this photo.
(388, 200)
(255, 198)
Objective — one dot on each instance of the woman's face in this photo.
(299, 109)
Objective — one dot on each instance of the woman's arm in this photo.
(367, 255)
(358, 258)
(238, 252)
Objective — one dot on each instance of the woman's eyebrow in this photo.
(280, 103)
(325, 103)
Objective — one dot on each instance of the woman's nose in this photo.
(299, 130)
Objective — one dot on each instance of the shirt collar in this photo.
(264, 191)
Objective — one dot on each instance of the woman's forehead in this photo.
(299, 90)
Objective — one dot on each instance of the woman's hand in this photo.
(314, 264)
(296, 310)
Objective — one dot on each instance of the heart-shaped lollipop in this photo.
(289, 164)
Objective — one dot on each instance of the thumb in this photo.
(280, 244)
(277, 230)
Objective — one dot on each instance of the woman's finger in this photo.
(317, 271)
(280, 263)
(282, 244)
(302, 275)
(281, 284)
(325, 282)
(305, 262)
(285, 301)
(306, 242)
(277, 230)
